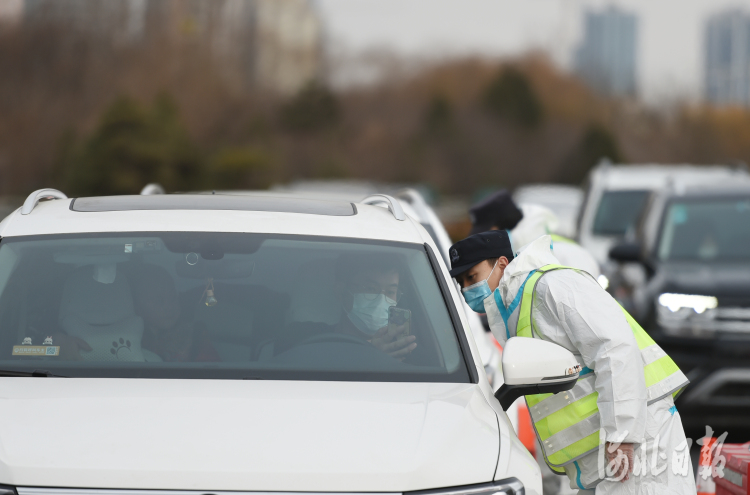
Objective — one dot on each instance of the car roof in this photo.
(213, 202)
(713, 189)
(653, 176)
(259, 213)
(345, 196)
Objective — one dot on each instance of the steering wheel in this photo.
(333, 337)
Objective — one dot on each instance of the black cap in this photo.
(477, 248)
(498, 210)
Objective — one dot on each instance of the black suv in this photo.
(693, 247)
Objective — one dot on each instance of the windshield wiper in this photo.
(40, 373)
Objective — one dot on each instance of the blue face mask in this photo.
(475, 294)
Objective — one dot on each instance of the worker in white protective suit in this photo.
(538, 221)
(630, 440)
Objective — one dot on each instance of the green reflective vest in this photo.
(559, 238)
(567, 423)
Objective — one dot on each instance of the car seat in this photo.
(313, 294)
(102, 314)
(312, 300)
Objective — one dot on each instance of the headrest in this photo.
(94, 302)
(313, 295)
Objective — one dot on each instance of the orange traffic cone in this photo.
(707, 486)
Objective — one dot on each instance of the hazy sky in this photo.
(669, 52)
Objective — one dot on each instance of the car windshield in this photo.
(618, 211)
(225, 306)
(706, 230)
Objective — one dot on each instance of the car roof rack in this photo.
(40, 195)
(151, 189)
(393, 205)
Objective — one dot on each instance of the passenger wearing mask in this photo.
(366, 288)
(620, 415)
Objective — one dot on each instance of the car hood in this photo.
(724, 280)
(244, 435)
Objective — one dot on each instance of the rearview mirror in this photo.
(626, 252)
(533, 366)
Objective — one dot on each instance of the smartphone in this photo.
(399, 317)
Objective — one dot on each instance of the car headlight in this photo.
(699, 304)
(510, 486)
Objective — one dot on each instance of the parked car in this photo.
(617, 194)
(692, 245)
(194, 346)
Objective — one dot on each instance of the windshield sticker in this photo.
(36, 350)
(679, 214)
(128, 248)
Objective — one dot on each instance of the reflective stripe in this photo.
(659, 370)
(571, 434)
(554, 403)
(574, 452)
(652, 353)
(559, 238)
(673, 383)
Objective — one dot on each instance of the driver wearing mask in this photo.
(366, 287)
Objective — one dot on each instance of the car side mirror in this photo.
(533, 366)
(626, 252)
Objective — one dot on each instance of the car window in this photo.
(235, 306)
(706, 230)
(618, 211)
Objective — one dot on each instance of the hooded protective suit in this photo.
(538, 221)
(572, 310)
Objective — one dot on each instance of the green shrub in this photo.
(511, 97)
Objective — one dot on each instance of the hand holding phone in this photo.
(394, 339)
(399, 321)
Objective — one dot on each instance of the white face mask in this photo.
(370, 315)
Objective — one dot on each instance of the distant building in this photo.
(268, 44)
(606, 57)
(727, 58)
(11, 12)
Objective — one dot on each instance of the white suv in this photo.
(616, 196)
(225, 343)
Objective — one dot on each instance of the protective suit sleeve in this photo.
(596, 326)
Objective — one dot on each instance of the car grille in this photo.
(721, 319)
(723, 388)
